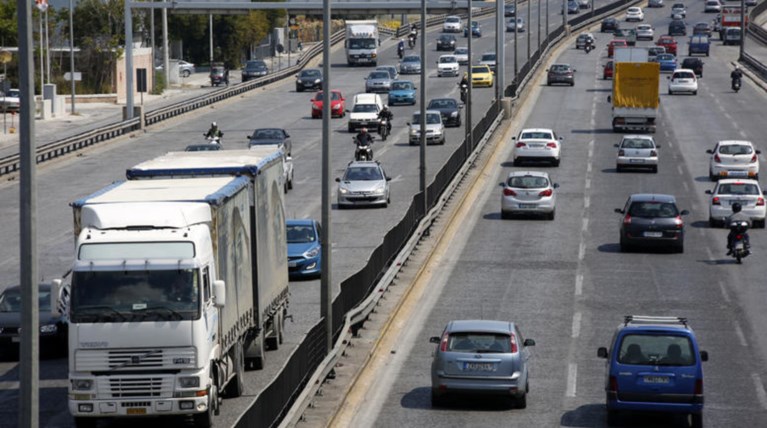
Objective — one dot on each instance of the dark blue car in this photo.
(654, 365)
(476, 30)
(667, 62)
(304, 252)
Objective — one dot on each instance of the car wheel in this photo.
(625, 247)
(521, 402)
(550, 216)
(351, 129)
(505, 215)
(86, 422)
(655, 169)
(760, 223)
(186, 73)
(696, 420)
(437, 400)
(712, 177)
(695, 92)
(670, 92)
(679, 248)
(517, 162)
(555, 162)
(299, 89)
(572, 83)
(612, 417)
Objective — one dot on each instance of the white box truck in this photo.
(362, 42)
(175, 284)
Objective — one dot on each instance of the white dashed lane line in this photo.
(760, 392)
(572, 377)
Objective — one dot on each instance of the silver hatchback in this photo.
(528, 193)
(480, 357)
(364, 183)
(637, 151)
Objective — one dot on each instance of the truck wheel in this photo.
(236, 385)
(290, 182)
(205, 420)
(273, 341)
(254, 358)
(86, 422)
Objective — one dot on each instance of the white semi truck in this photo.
(362, 42)
(176, 284)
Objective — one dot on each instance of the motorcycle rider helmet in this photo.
(736, 207)
(213, 124)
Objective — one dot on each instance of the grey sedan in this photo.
(364, 184)
(480, 357)
(410, 64)
(378, 81)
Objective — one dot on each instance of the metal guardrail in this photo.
(11, 164)
(756, 31)
(754, 65)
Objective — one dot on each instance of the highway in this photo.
(549, 255)
(567, 284)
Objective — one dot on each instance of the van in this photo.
(654, 364)
(731, 36)
(364, 113)
(698, 45)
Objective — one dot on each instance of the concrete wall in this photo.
(142, 58)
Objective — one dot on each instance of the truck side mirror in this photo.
(55, 296)
(703, 356)
(602, 352)
(219, 293)
(609, 98)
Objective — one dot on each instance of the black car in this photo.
(694, 64)
(310, 78)
(677, 28)
(53, 326)
(651, 219)
(609, 25)
(449, 109)
(253, 69)
(572, 7)
(509, 10)
(202, 147)
(269, 136)
(446, 42)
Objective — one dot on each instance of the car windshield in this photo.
(637, 143)
(528, 182)
(479, 342)
(447, 60)
(656, 349)
(453, 19)
(414, 59)
(439, 104)
(267, 134)
(738, 189)
(461, 51)
(301, 234)
(311, 74)
(365, 108)
(401, 86)
(476, 70)
(653, 209)
(379, 75)
(684, 75)
(363, 173)
(431, 119)
(474, 24)
(10, 300)
(735, 149)
(488, 57)
(559, 68)
(536, 135)
(255, 65)
(665, 57)
(333, 96)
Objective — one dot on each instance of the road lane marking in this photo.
(581, 251)
(725, 294)
(727, 115)
(739, 333)
(579, 284)
(686, 186)
(586, 201)
(585, 225)
(743, 134)
(679, 169)
(572, 377)
(670, 145)
(760, 393)
(577, 324)
(588, 183)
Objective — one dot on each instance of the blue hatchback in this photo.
(402, 92)
(304, 250)
(667, 62)
(654, 364)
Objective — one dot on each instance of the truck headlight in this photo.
(189, 382)
(48, 328)
(312, 253)
(82, 384)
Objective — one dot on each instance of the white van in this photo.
(364, 114)
(731, 36)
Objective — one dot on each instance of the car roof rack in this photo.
(646, 319)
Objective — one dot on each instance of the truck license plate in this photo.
(656, 379)
(137, 411)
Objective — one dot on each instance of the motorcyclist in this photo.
(401, 47)
(413, 34)
(385, 113)
(736, 216)
(736, 75)
(363, 138)
(464, 80)
(589, 44)
(214, 132)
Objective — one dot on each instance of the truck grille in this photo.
(134, 387)
(134, 359)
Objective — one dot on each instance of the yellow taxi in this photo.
(481, 76)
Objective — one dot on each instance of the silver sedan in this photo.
(637, 151)
(528, 193)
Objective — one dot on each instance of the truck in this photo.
(635, 96)
(631, 54)
(177, 287)
(362, 42)
(729, 17)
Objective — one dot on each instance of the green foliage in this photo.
(9, 28)
(159, 83)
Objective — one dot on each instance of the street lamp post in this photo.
(72, 54)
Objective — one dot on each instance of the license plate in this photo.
(636, 160)
(528, 205)
(737, 173)
(137, 411)
(16, 339)
(479, 367)
(656, 379)
(536, 146)
(292, 264)
(653, 234)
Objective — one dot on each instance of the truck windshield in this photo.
(135, 296)
(362, 44)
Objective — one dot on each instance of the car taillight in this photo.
(716, 201)
(509, 192)
(443, 343)
(627, 219)
(613, 386)
(717, 158)
(753, 158)
(520, 144)
(760, 201)
(551, 145)
(653, 153)
(738, 237)
(546, 192)
(514, 347)
(679, 222)
(621, 152)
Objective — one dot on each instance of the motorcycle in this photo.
(364, 151)
(736, 84)
(213, 139)
(383, 129)
(411, 40)
(464, 91)
(588, 48)
(740, 246)
(401, 51)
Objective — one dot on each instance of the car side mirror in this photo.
(709, 151)
(709, 192)
(703, 355)
(758, 152)
(616, 145)
(684, 212)
(219, 293)
(547, 70)
(502, 184)
(460, 106)
(555, 185)
(434, 339)
(657, 146)
(528, 342)
(338, 179)
(407, 123)
(619, 210)
(602, 352)
(287, 135)
(388, 178)
(347, 110)
(250, 137)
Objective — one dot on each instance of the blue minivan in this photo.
(654, 364)
(699, 44)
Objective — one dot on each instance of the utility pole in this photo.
(72, 54)
(326, 284)
(165, 46)
(422, 155)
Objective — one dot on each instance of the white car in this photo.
(537, 144)
(634, 14)
(645, 32)
(10, 101)
(528, 192)
(488, 59)
(447, 65)
(729, 191)
(637, 151)
(682, 80)
(518, 23)
(712, 6)
(734, 159)
(435, 129)
(462, 55)
(452, 24)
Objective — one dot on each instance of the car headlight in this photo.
(82, 384)
(413, 131)
(314, 252)
(317, 81)
(343, 190)
(380, 189)
(48, 328)
(298, 81)
(189, 382)
(316, 107)
(454, 114)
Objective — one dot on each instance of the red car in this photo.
(337, 105)
(607, 71)
(613, 43)
(667, 42)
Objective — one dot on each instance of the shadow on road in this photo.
(420, 398)
(612, 247)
